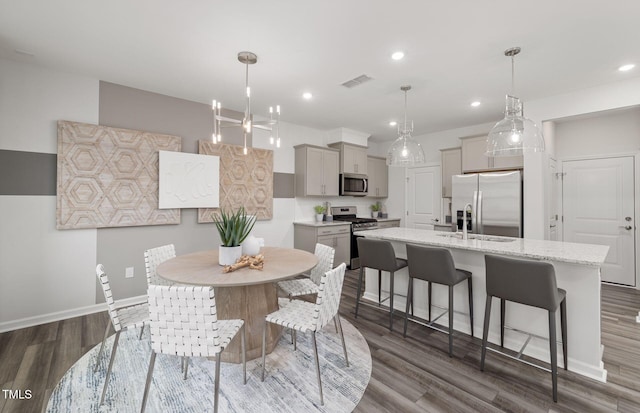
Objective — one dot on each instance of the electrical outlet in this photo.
(128, 272)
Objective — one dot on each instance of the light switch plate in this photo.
(128, 272)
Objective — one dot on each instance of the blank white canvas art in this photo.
(188, 180)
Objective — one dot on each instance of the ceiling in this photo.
(453, 52)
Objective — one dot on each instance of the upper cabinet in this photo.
(353, 158)
(451, 162)
(316, 171)
(378, 173)
(475, 160)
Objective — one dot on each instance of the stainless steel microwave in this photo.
(354, 184)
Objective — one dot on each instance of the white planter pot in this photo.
(374, 214)
(319, 217)
(229, 255)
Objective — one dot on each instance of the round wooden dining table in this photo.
(245, 293)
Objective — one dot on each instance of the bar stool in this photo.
(532, 283)
(435, 265)
(378, 255)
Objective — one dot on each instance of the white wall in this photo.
(42, 270)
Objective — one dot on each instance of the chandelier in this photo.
(247, 124)
(405, 151)
(514, 134)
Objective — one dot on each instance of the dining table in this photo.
(247, 294)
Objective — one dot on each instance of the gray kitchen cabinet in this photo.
(353, 158)
(338, 237)
(451, 164)
(316, 171)
(378, 173)
(389, 223)
(475, 160)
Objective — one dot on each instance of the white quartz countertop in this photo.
(321, 224)
(585, 254)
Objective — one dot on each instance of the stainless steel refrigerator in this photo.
(495, 199)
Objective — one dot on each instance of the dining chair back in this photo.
(154, 257)
(309, 285)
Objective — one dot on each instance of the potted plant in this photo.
(233, 229)
(374, 210)
(319, 212)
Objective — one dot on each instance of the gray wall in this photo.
(118, 248)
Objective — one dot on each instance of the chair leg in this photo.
(106, 334)
(244, 354)
(485, 331)
(315, 351)
(216, 385)
(503, 308)
(379, 287)
(344, 346)
(186, 367)
(141, 332)
(335, 324)
(563, 327)
(295, 339)
(429, 298)
(264, 345)
(470, 285)
(409, 301)
(113, 356)
(451, 321)
(359, 290)
(148, 383)
(391, 301)
(553, 349)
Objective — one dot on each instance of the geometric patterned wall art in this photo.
(108, 177)
(245, 180)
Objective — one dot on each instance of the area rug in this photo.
(290, 381)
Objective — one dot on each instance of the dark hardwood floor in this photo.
(409, 375)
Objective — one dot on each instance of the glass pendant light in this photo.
(405, 151)
(514, 134)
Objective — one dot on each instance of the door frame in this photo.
(405, 214)
(636, 199)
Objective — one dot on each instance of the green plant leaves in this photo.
(233, 227)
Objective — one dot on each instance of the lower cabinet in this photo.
(338, 237)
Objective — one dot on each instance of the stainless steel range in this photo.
(349, 214)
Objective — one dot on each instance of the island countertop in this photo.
(584, 254)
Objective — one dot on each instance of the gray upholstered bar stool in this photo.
(531, 283)
(378, 255)
(435, 265)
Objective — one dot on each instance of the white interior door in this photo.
(598, 208)
(424, 189)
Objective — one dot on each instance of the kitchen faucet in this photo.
(464, 220)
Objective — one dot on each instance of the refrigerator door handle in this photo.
(479, 214)
(474, 213)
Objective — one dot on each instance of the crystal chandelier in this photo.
(405, 151)
(514, 134)
(247, 123)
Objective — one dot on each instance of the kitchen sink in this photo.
(481, 237)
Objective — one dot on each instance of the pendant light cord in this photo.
(513, 76)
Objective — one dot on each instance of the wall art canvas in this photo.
(189, 180)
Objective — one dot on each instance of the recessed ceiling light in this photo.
(475, 104)
(393, 123)
(397, 55)
(307, 95)
(625, 68)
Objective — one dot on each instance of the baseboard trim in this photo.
(65, 314)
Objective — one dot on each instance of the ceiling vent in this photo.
(357, 81)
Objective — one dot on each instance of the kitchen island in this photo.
(577, 268)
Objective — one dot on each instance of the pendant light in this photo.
(405, 151)
(514, 134)
(247, 123)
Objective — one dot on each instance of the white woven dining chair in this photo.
(309, 285)
(184, 323)
(154, 257)
(305, 317)
(132, 316)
